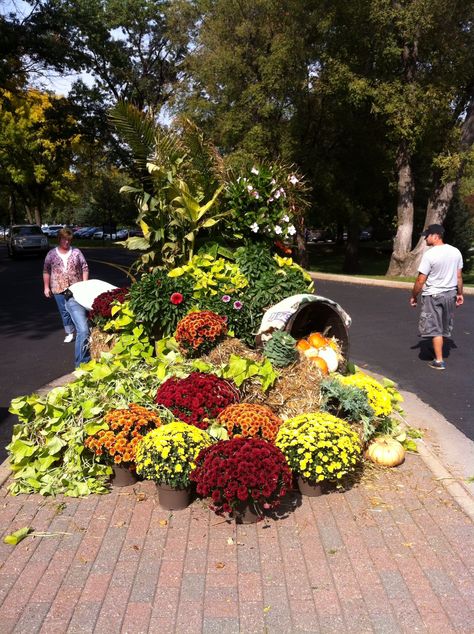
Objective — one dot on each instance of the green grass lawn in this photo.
(374, 259)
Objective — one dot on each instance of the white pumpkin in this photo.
(311, 352)
(330, 356)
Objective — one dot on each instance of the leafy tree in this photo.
(37, 135)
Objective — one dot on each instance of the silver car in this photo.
(25, 239)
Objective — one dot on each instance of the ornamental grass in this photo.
(319, 446)
(124, 429)
(167, 455)
(242, 470)
(250, 420)
(197, 398)
(200, 332)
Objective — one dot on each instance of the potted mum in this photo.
(167, 456)
(250, 419)
(199, 332)
(116, 439)
(197, 397)
(320, 449)
(243, 476)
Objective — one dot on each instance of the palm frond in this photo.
(136, 128)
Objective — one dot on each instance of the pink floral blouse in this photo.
(61, 277)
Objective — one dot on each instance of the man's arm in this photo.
(460, 289)
(417, 287)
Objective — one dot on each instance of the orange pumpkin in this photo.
(321, 364)
(302, 345)
(317, 340)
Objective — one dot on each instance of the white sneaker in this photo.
(68, 338)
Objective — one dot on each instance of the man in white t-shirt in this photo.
(440, 283)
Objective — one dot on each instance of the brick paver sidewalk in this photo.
(393, 554)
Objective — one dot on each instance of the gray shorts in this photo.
(437, 315)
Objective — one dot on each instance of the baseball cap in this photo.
(438, 229)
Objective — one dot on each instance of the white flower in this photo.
(255, 194)
(278, 229)
(293, 180)
(291, 230)
(255, 171)
(254, 227)
(285, 218)
(277, 194)
(249, 188)
(273, 181)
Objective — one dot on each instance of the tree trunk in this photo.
(37, 210)
(405, 212)
(440, 199)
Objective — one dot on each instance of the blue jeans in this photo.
(78, 315)
(65, 316)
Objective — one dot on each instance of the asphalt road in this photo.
(384, 337)
(32, 351)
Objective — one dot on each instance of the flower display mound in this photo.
(101, 310)
(319, 446)
(167, 454)
(378, 396)
(197, 397)
(200, 332)
(242, 470)
(250, 420)
(120, 431)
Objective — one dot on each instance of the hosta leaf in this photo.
(19, 535)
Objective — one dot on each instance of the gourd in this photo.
(302, 345)
(386, 451)
(317, 340)
(329, 355)
(280, 349)
(321, 364)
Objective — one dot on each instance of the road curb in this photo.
(367, 281)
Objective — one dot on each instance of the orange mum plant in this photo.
(124, 428)
(199, 332)
(250, 419)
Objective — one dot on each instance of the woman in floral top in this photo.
(64, 266)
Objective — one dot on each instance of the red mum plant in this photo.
(250, 419)
(242, 470)
(102, 305)
(196, 398)
(123, 428)
(199, 332)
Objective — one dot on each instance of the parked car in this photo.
(98, 235)
(52, 230)
(26, 239)
(89, 232)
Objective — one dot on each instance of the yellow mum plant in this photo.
(378, 396)
(319, 446)
(169, 456)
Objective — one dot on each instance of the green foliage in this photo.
(211, 276)
(270, 282)
(47, 453)
(175, 203)
(281, 349)
(349, 403)
(240, 369)
(159, 301)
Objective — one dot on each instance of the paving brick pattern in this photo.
(392, 554)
